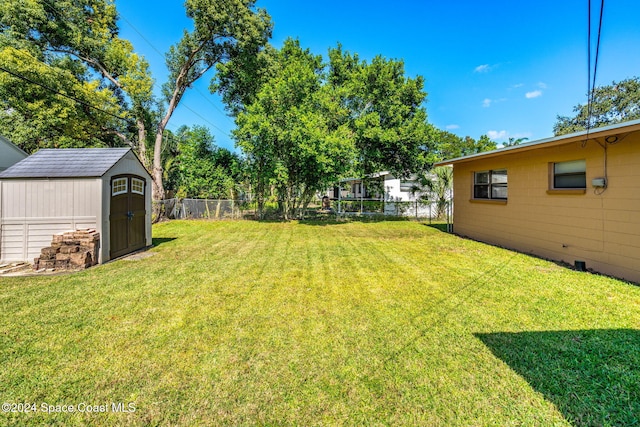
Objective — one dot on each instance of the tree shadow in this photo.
(343, 220)
(592, 376)
(157, 241)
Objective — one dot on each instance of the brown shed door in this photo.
(127, 215)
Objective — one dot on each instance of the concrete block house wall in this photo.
(596, 225)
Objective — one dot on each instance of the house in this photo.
(382, 193)
(9, 154)
(52, 191)
(572, 198)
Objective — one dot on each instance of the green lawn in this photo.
(381, 323)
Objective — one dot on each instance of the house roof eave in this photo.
(619, 128)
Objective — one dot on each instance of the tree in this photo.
(451, 146)
(72, 49)
(82, 39)
(615, 103)
(439, 183)
(223, 29)
(514, 141)
(383, 110)
(286, 132)
(200, 169)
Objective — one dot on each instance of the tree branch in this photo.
(101, 68)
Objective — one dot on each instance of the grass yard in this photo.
(382, 323)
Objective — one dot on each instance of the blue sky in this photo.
(502, 68)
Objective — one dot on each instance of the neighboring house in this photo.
(9, 154)
(569, 198)
(59, 190)
(394, 196)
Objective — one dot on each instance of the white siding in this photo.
(34, 210)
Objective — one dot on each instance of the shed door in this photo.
(127, 215)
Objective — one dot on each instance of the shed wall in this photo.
(128, 165)
(601, 229)
(31, 211)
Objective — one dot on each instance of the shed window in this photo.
(118, 186)
(137, 186)
(571, 174)
(490, 184)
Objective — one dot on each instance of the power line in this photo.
(141, 35)
(19, 76)
(202, 117)
(591, 84)
(163, 56)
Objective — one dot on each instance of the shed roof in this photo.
(66, 163)
(602, 132)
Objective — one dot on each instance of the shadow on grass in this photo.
(592, 376)
(157, 241)
(439, 226)
(343, 219)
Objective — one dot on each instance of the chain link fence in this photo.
(205, 209)
(240, 209)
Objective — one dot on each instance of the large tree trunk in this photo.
(142, 143)
(158, 185)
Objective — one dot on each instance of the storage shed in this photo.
(57, 190)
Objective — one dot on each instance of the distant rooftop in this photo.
(66, 163)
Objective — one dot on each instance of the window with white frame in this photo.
(408, 186)
(119, 186)
(137, 186)
(570, 175)
(491, 184)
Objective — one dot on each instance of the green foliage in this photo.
(383, 111)
(34, 117)
(286, 133)
(439, 184)
(305, 124)
(223, 30)
(74, 49)
(199, 169)
(514, 141)
(451, 146)
(611, 104)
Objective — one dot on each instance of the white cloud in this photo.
(516, 86)
(542, 85)
(495, 134)
(484, 68)
(452, 127)
(486, 103)
(534, 94)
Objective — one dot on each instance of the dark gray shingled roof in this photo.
(66, 163)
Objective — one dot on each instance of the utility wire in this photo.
(19, 76)
(591, 84)
(202, 117)
(163, 56)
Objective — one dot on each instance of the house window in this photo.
(118, 186)
(570, 175)
(407, 186)
(137, 186)
(490, 184)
